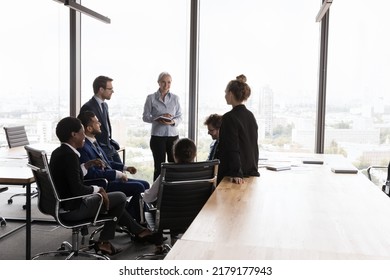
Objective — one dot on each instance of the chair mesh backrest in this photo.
(184, 190)
(16, 136)
(47, 196)
(388, 172)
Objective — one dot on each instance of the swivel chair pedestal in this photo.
(3, 222)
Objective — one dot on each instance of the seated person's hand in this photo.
(124, 177)
(237, 180)
(95, 162)
(132, 169)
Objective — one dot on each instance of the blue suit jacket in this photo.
(104, 137)
(89, 152)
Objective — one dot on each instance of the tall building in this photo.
(266, 106)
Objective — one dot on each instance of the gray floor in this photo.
(45, 234)
(48, 236)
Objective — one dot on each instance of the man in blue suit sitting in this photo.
(113, 171)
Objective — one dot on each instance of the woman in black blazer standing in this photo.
(238, 147)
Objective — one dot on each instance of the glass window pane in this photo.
(34, 67)
(143, 40)
(275, 44)
(358, 99)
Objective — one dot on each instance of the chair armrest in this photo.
(372, 167)
(80, 197)
(123, 151)
(85, 196)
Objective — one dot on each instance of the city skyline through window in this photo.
(275, 44)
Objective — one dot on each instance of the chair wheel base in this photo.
(10, 201)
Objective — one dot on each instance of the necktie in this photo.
(98, 149)
(104, 109)
(105, 117)
(100, 153)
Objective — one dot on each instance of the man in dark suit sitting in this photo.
(113, 171)
(103, 90)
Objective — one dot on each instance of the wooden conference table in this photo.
(307, 212)
(21, 176)
(14, 171)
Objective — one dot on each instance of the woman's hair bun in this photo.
(241, 78)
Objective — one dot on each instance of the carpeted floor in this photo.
(45, 234)
(15, 210)
(48, 237)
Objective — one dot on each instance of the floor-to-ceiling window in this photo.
(275, 44)
(143, 39)
(358, 91)
(34, 67)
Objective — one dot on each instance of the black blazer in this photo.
(238, 149)
(68, 176)
(104, 137)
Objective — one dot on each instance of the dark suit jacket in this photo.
(238, 149)
(213, 150)
(104, 137)
(68, 176)
(89, 152)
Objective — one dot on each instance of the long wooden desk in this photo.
(21, 176)
(307, 212)
(14, 171)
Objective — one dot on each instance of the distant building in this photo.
(306, 137)
(377, 156)
(266, 108)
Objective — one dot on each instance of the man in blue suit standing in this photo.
(113, 171)
(103, 90)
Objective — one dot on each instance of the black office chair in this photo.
(17, 137)
(386, 184)
(49, 203)
(122, 150)
(3, 222)
(380, 169)
(183, 191)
